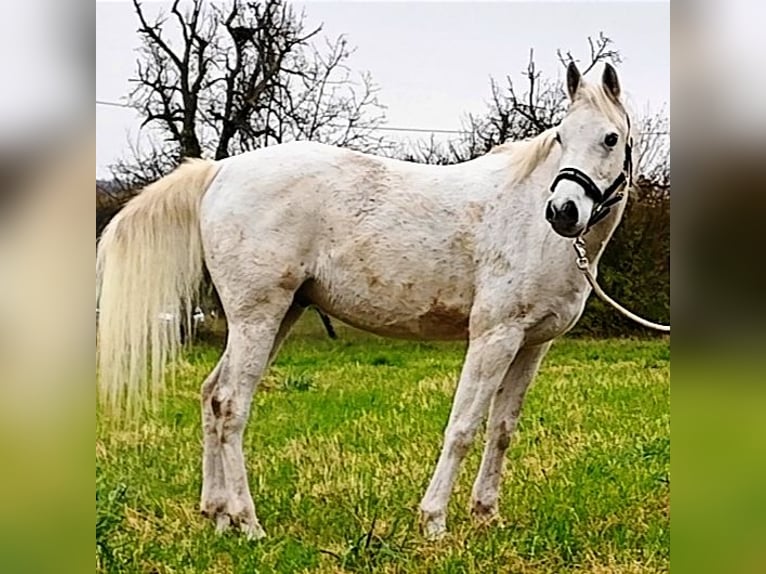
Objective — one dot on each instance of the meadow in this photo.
(342, 442)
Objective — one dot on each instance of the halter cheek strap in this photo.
(603, 200)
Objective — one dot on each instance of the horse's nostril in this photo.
(549, 214)
(569, 211)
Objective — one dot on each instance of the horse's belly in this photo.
(402, 310)
(441, 324)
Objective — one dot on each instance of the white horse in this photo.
(476, 251)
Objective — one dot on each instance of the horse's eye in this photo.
(558, 137)
(611, 139)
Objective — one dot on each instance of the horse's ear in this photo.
(573, 80)
(610, 82)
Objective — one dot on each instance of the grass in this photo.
(340, 447)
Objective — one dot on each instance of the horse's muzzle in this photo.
(564, 219)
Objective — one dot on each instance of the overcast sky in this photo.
(432, 60)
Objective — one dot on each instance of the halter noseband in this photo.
(603, 200)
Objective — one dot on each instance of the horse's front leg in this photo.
(503, 415)
(487, 361)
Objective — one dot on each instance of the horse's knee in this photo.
(232, 420)
(232, 426)
(502, 437)
(459, 439)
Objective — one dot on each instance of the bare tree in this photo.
(600, 51)
(652, 144)
(216, 80)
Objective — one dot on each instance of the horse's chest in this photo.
(552, 322)
(553, 314)
(545, 307)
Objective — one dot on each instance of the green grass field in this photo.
(342, 442)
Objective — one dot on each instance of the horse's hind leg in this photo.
(213, 498)
(214, 494)
(252, 342)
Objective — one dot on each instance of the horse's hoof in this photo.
(434, 532)
(484, 513)
(252, 530)
(434, 527)
(222, 522)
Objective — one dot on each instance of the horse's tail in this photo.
(149, 267)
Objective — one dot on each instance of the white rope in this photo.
(584, 266)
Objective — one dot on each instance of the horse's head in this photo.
(596, 160)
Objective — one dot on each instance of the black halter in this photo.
(603, 200)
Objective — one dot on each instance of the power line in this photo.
(381, 128)
(112, 104)
(423, 130)
(384, 128)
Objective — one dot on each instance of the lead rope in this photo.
(583, 264)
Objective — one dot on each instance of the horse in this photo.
(479, 251)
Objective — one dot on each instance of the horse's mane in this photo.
(528, 154)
